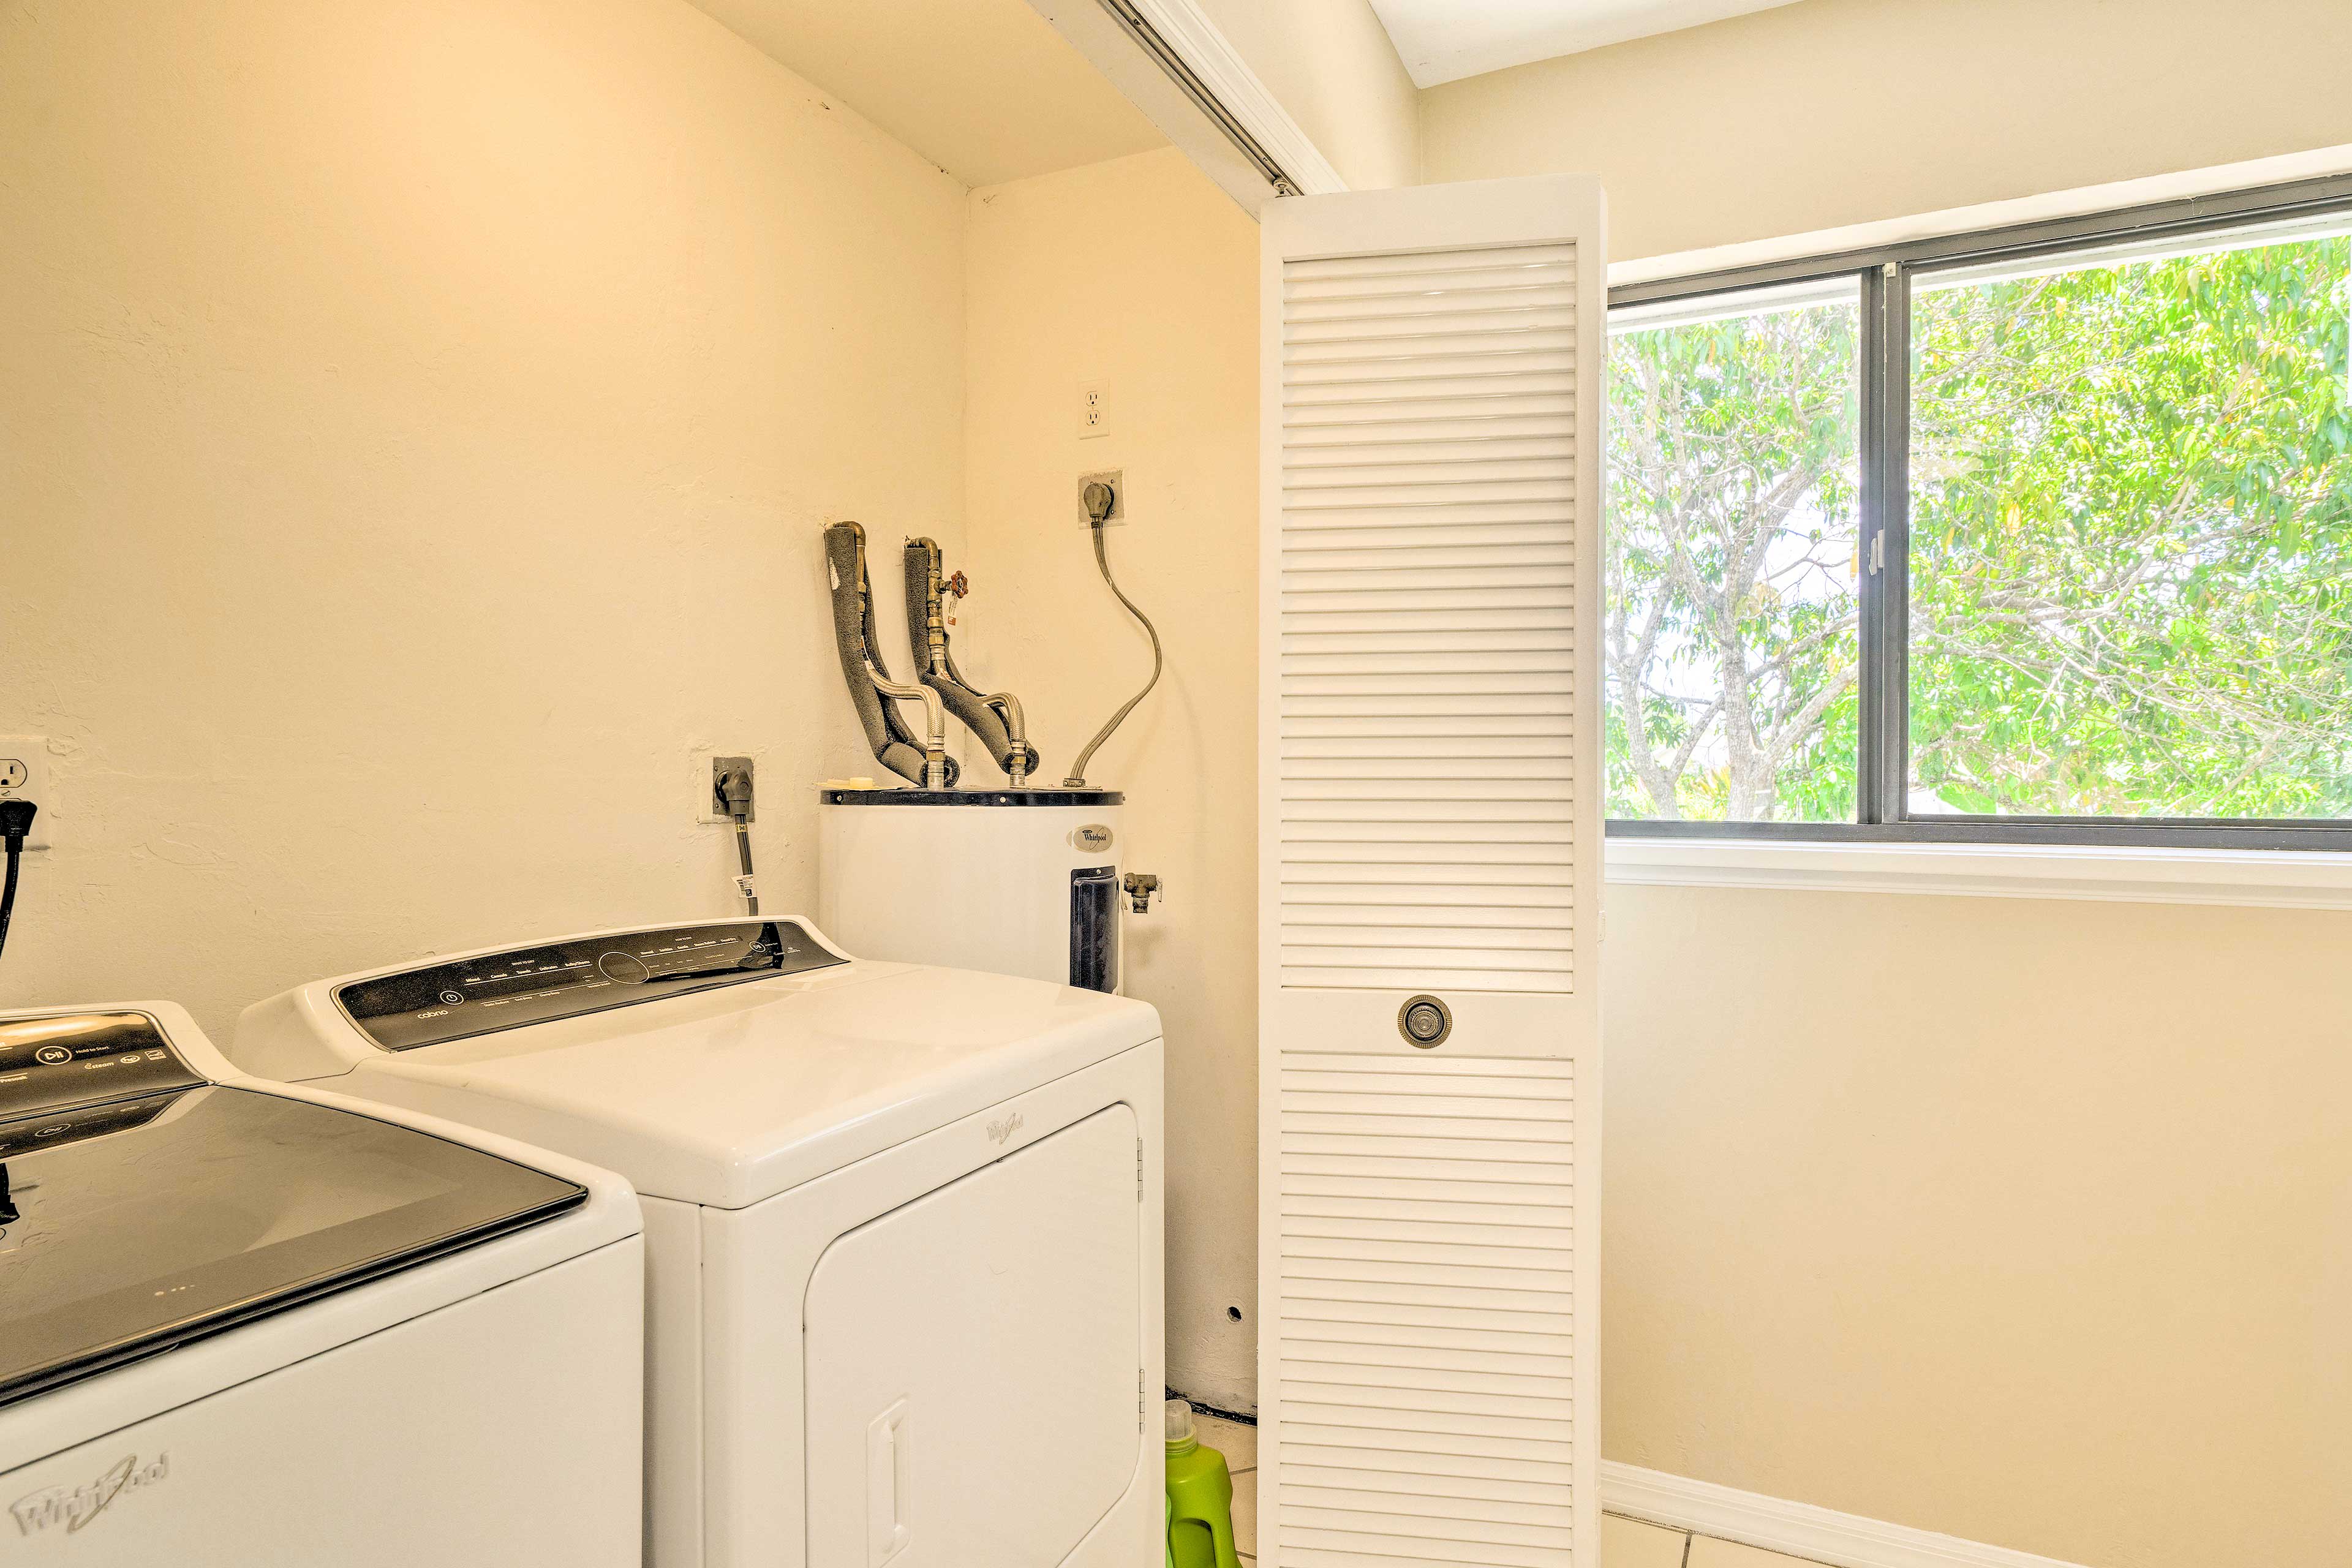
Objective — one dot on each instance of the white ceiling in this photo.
(984, 88)
(1444, 40)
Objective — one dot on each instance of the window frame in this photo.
(1884, 274)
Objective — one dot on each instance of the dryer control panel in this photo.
(465, 997)
(65, 1060)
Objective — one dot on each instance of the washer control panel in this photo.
(440, 1001)
(64, 1059)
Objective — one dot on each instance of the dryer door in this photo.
(973, 1363)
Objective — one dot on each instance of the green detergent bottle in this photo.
(1200, 1498)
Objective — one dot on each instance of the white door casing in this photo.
(1429, 769)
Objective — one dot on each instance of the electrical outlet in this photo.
(719, 768)
(709, 769)
(25, 775)
(1117, 480)
(1094, 410)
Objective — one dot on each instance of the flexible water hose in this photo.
(1077, 779)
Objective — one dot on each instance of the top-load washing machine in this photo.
(254, 1325)
(903, 1223)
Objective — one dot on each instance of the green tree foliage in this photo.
(2131, 546)
(1731, 639)
(2131, 539)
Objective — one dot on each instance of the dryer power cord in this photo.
(16, 823)
(735, 790)
(1099, 499)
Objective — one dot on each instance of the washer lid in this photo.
(133, 1224)
(729, 1096)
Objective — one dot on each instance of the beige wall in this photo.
(2026, 1220)
(416, 426)
(1143, 275)
(1330, 64)
(1837, 111)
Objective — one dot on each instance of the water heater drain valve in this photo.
(1140, 886)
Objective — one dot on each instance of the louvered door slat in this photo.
(1428, 825)
(1349, 327)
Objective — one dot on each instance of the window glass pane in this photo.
(1732, 636)
(2131, 532)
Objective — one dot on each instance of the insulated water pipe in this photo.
(871, 690)
(995, 717)
(935, 722)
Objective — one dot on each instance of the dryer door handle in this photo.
(886, 1532)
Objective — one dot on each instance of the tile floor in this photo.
(1625, 1542)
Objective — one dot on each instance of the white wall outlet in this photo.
(1117, 480)
(25, 775)
(1094, 410)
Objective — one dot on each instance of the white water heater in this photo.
(1012, 881)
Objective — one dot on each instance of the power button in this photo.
(1424, 1021)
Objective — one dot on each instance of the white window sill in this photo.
(2276, 879)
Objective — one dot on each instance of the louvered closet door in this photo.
(1430, 769)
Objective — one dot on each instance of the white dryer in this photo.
(253, 1325)
(903, 1223)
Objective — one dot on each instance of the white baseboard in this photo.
(1797, 1529)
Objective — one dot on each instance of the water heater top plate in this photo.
(1015, 797)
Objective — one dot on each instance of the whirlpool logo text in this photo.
(70, 1508)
